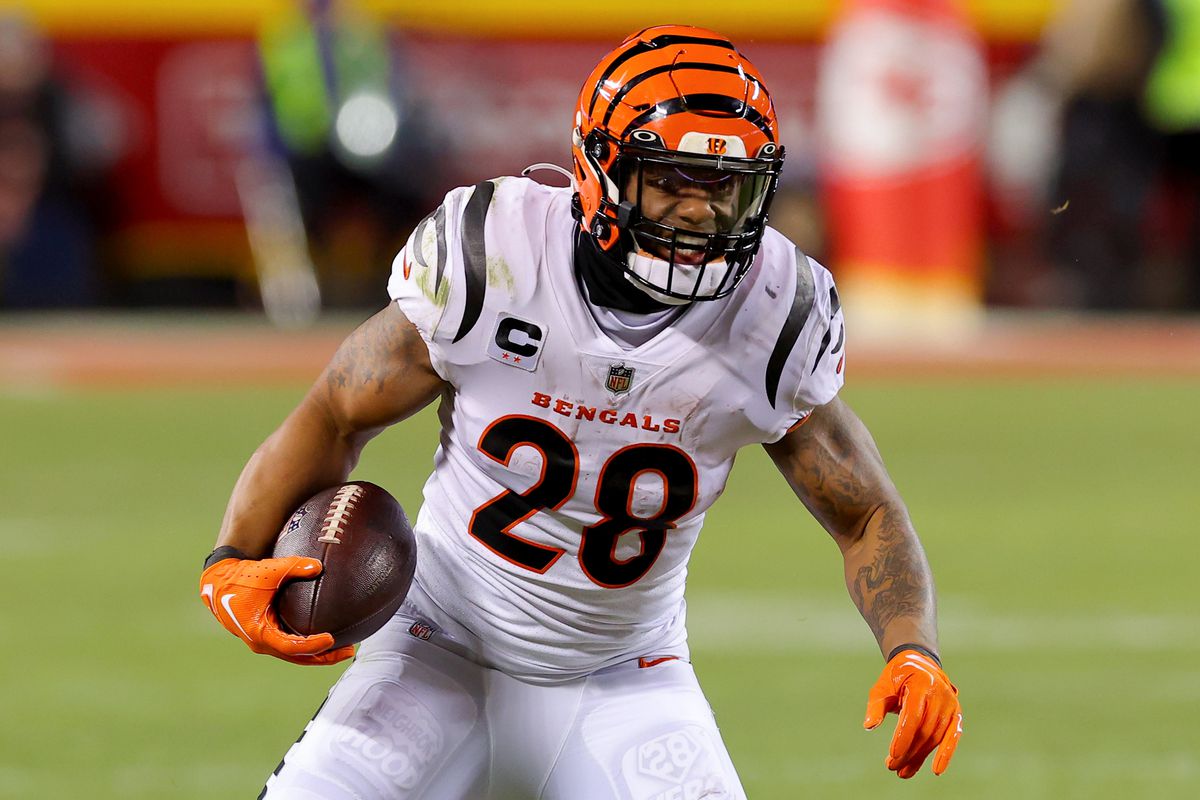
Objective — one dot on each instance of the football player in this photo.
(600, 354)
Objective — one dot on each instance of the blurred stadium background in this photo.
(199, 199)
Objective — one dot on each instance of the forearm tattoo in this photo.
(838, 473)
(895, 581)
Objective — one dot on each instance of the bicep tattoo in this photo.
(823, 475)
(381, 352)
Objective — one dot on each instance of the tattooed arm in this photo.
(379, 375)
(833, 466)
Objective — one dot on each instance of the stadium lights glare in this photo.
(366, 124)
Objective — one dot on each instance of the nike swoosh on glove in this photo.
(239, 593)
(917, 690)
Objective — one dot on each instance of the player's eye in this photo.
(665, 183)
(724, 191)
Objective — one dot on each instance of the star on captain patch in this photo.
(620, 378)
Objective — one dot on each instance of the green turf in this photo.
(1060, 518)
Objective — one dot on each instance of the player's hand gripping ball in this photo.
(367, 552)
(239, 592)
(930, 717)
(341, 567)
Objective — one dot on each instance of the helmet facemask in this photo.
(690, 223)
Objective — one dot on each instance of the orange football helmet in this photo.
(676, 157)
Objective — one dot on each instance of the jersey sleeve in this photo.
(824, 357)
(807, 365)
(796, 330)
(426, 274)
(466, 262)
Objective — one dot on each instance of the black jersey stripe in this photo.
(719, 103)
(802, 305)
(825, 343)
(475, 255)
(418, 249)
(645, 47)
(439, 226)
(438, 218)
(650, 73)
(835, 305)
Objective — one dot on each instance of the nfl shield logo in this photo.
(620, 378)
(421, 630)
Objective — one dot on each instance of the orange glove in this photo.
(239, 593)
(914, 686)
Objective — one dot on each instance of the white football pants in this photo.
(411, 718)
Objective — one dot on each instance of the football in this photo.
(362, 538)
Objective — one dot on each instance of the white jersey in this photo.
(573, 474)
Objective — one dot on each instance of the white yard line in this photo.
(784, 623)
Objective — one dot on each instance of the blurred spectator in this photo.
(797, 213)
(356, 144)
(46, 257)
(1110, 114)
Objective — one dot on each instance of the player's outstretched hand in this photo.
(239, 593)
(914, 686)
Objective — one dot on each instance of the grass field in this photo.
(1060, 517)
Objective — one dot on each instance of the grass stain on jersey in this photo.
(441, 295)
(423, 272)
(426, 280)
(499, 274)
